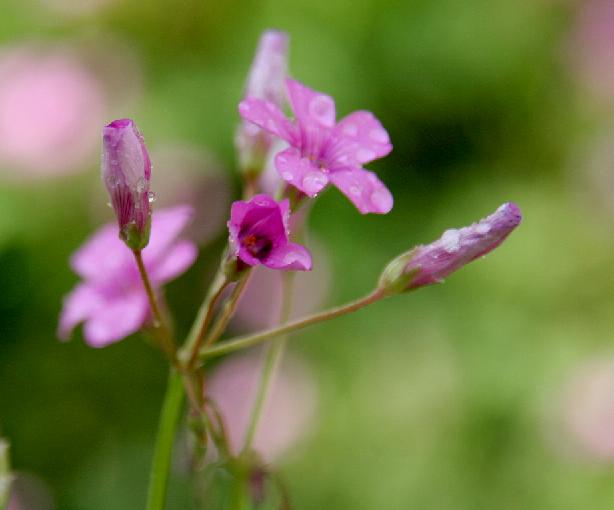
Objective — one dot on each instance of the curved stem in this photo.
(256, 338)
(167, 429)
(159, 324)
(196, 337)
(228, 311)
(271, 361)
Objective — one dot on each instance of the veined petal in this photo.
(311, 107)
(358, 139)
(180, 257)
(364, 189)
(291, 256)
(117, 319)
(268, 116)
(300, 172)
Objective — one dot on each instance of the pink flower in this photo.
(111, 299)
(50, 105)
(265, 81)
(126, 172)
(323, 151)
(288, 411)
(425, 265)
(259, 235)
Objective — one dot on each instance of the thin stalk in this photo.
(167, 428)
(256, 338)
(228, 310)
(271, 362)
(5, 474)
(196, 337)
(159, 324)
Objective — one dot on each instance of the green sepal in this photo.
(134, 238)
(396, 278)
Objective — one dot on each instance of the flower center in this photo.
(257, 246)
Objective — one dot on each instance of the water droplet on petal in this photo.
(287, 176)
(350, 129)
(322, 109)
(482, 228)
(379, 135)
(382, 200)
(355, 190)
(141, 185)
(450, 240)
(364, 155)
(314, 182)
(151, 197)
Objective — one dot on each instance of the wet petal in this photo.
(311, 107)
(118, 319)
(300, 172)
(360, 138)
(290, 256)
(177, 261)
(364, 189)
(268, 116)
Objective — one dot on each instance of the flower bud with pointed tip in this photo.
(425, 265)
(126, 172)
(266, 81)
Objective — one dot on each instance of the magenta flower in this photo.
(425, 265)
(259, 235)
(111, 299)
(126, 172)
(323, 151)
(265, 81)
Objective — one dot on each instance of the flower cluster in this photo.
(124, 265)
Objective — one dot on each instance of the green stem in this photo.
(257, 338)
(167, 428)
(271, 361)
(159, 324)
(5, 474)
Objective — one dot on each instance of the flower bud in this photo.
(425, 265)
(126, 172)
(266, 81)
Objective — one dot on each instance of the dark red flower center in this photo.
(259, 247)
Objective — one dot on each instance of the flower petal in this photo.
(268, 116)
(118, 319)
(102, 254)
(291, 256)
(364, 189)
(300, 172)
(311, 107)
(180, 257)
(79, 305)
(360, 138)
(166, 225)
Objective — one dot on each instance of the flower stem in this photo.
(271, 361)
(5, 474)
(256, 338)
(167, 428)
(159, 323)
(228, 310)
(196, 337)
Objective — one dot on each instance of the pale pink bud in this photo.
(126, 172)
(425, 265)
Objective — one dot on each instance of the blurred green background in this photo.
(474, 394)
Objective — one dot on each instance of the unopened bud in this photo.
(425, 265)
(126, 172)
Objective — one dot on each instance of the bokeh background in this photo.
(494, 390)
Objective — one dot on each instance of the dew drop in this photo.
(287, 176)
(151, 197)
(350, 129)
(482, 228)
(140, 185)
(355, 190)
(382, 200)
(322, 108)
(363, 155)
(451, 240)
(314, 182)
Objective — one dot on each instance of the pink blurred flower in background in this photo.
(29, 492)
(50, 110)
(592, 48)
(588, 408)
(111, 299)
(289, 410)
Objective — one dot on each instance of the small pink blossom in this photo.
(288, 412)
(426, 265)
(324, 151)
(265, 81)
(50, 105)
(259, 235)
(111, 299)
(126, 172)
